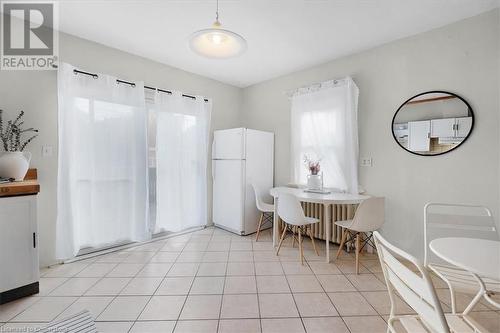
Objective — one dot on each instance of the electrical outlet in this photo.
(366, 162)
(47, 151)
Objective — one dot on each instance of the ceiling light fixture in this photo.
(216, 42)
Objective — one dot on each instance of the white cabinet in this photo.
(443, 128)
(463, 126)
(451, 127)
(19, 272)
(419, 135)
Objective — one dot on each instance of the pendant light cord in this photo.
(217, 12)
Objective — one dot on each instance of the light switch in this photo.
(47, 151)
(366, 162)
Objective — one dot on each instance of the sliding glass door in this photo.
(102, 182)
(181, 126)
(152, 200)
(130, 166)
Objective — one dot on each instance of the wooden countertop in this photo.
(28, 186)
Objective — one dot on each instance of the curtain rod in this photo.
(313, 86)
(132, 84)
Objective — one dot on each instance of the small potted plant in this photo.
(314, 179)
(14, 163)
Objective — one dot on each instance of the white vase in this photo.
(15, 164)
(315, 182)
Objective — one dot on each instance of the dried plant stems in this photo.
(11, 134)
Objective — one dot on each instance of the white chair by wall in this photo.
(292, 214)
(417, 291)
(369, 217)
(266, 209)
(458, 220)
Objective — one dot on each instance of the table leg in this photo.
(275, 223)
(326, 221)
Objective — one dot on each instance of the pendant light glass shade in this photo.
(217, 43)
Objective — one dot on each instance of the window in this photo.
(324, 128)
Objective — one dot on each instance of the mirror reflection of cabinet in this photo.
(432, 123)
(443, 128)
(463, 127)
(451, 127)
(400, 132)
(418, 135)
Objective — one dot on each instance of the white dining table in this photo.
(479, 256)
(333, 198)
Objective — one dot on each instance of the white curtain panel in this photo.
(324, 127)
(182, 136)
(102, 172)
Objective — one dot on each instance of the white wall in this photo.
(461, 58)
(35, 92)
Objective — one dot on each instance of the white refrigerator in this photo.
(240, 157)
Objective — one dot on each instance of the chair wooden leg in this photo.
(301, 249)
(342, 242)
(294, 230)
(278, 228)
(259, 226)
(271, 229)
(281, 240)
(358, 245)
(362, 239)
(312, 240)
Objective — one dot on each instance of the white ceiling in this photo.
(283, 35)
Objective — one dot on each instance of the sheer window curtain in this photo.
(102, 171)
(324, 126)
(182, 134)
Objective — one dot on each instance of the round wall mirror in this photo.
(432, 123)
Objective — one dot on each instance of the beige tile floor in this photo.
(214, 281)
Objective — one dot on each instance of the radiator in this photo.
(337, 213)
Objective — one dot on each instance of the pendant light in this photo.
(216, 42)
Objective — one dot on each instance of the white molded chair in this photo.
(457, 220)
(266, 209)
(369, 216)
(291, 212)
(416, 289)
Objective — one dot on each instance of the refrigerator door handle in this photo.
(244, 144)
(213, 170)
(213, 148)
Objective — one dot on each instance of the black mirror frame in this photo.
(430, 92)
